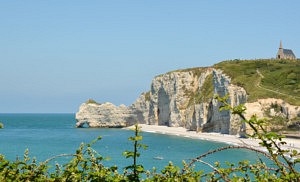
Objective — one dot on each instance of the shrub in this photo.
(91, 101)
(147, 96)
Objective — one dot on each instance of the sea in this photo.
(48, 135)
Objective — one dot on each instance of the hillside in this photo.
(265, 78)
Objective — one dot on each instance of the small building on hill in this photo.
(285, 53)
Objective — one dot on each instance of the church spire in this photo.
(280, 46)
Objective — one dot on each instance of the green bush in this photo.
(1, 125)
(148, 96)
(91, 101)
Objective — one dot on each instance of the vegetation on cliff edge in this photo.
(265, 78)
(203, 94)
(91, 101)
(195, 71)
(147, 96)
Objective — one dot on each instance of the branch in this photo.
(215, 169)
(57, 156)
(226, 148)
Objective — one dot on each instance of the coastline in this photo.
(214, 137)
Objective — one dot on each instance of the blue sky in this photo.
(56, 54)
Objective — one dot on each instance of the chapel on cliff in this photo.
(285, 53)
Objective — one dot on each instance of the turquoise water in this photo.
(47, 135)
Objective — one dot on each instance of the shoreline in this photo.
(214, 137)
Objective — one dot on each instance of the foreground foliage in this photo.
(87, 164)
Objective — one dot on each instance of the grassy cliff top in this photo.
(196, 71)
(266, 78)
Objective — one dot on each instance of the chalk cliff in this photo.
(184, 98)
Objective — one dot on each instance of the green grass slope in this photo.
(266, 78)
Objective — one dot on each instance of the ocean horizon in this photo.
(50, 134)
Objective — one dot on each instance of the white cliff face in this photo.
(139, 111)
(170, 99)
(224, 121)
(174, 101)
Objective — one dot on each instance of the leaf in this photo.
(297, 161)
(114, 168)
(294, 152)
(138, 138)
(131, 138)
(140, 168)
(128, 154)
(142, 145)
(271, 135)
(240, 109)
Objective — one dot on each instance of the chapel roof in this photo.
(288, 52)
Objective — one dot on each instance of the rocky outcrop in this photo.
(182, 98)
(102, 115)
(272, 107)
(97, 115)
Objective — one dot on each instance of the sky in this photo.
(57, 54)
